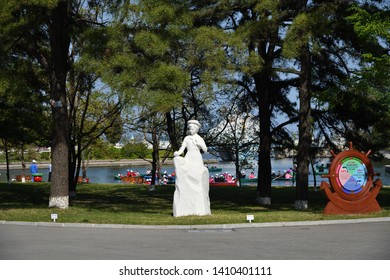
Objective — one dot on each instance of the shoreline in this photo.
(94, 163)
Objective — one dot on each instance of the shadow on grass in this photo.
(140, 199)
(132, 198)
(24, 195)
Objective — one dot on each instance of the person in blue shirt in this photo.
(33, 169)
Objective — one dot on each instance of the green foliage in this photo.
(363, 103)
(370, 25)
(135, 150)
(206, 48)
(24, 117)
(365, 106)
(151, 44)
(115, 131)
(131, 150)
(104, 150)
(165, 83)
(298, 36)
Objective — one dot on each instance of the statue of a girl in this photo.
(191, 195)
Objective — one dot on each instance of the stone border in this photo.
(197, 227)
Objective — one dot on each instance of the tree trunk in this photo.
(85, 164)
(7, 160)
(303, 156)
(74, 170)
(59, 43)
(237, 164)
(264, 172)
(156, 159)
(23, 164)
(171, 132)
(313, 171)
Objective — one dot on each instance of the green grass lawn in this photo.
(135, 204)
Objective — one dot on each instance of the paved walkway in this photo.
(362, 239)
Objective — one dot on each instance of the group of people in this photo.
(168, 178)
(229, 178)
(225, 177)
(251, 175)
(129, 173)
(287, 174)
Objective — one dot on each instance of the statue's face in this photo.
(192, 129)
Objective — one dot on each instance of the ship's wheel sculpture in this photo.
(352, 187)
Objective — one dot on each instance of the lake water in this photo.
(106, 174)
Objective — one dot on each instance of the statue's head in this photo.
(194, 124)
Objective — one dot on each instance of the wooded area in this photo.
(74, 71)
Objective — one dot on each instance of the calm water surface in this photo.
(106, 174)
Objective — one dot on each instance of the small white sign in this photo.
(54, 217)
(250, 218)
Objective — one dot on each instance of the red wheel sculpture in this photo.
(352, 187)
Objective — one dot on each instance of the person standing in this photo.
(33, 169)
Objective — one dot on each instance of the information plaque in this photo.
(352, 188)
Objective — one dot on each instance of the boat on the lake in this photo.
(223, 184)
(80, 180)
(133, 180)
(214, 169)
(22, 178)
(222, 180)
(283, 179)
(249, 180)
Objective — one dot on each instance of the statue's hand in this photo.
(176, 154)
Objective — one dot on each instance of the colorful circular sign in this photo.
(351, 189)
(351, 175)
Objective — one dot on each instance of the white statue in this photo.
(191, 195)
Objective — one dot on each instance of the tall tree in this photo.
(298, 40)
(40, 31)
(93, 113)
(328, 51)
(149, 51)
(255, 49)
(57, 65)
(94, 108)
(50, 34)
(21, 100)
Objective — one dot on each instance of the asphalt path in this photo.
(367, 239)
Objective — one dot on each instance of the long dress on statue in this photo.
(191, 195)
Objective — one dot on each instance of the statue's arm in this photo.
(201, 144)
(182, 148)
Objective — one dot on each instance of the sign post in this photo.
(54, 217)
(250, 218)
